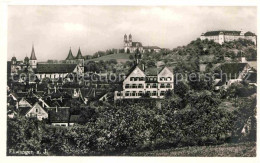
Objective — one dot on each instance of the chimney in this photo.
(56, 109)
(143, 67)
(36, 88)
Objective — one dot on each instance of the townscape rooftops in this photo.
(55, 68)
(59, 115)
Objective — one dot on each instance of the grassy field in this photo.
(247, 149)
(120, 57)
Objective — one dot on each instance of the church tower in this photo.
(33, 59)
(70, 58)
(80, 58)
(130, 40)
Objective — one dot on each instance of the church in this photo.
(72, 65)
(131, 47)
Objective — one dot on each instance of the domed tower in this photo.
(33, 59)
(13, 60)
(130, 40)
(26, 60)
(125, 38)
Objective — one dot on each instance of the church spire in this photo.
(70, 56)
(33, 56)
(79, 55)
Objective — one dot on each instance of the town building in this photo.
(222, 36)
(152, 81)
(131, 47)
(231, 73)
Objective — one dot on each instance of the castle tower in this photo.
(33, 59)
(221, 38)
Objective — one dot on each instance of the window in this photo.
(136, 79)
(154, 93)
(161, 78)
(148, 92)
(155, 79)
(154, 85)
(140, 86)
(169, 79)
(36, 110)
(168, 85)
(118, 93)
(134, 93)
(147, 85)
(127, 93)
(140, 93)
(127, 86)
(134, 86)
(141, 79)
(162, 93)
(132, 79)
(162, 86)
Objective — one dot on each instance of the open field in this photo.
(246, 149)
(120, 57)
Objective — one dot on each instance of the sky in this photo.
(54, 29)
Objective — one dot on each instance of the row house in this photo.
(152, 81)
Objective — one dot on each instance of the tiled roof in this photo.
(55, 68)
(249, 34)
(151, 47)
(216, 33)
(137, 44)
(76, 119)
(24, 110)
(70, 56)
(232, 69)
(251, 77)
(33, 57)
(61, 116)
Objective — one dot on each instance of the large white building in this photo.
(140, 81)
(222, 36)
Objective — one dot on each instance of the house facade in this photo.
(140, 81)
(226, 36)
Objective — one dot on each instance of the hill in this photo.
(120, 57)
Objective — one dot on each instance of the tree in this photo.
(131, 57)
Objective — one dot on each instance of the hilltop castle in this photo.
(226, 36)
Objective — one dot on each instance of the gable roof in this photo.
(24, 110)
(55, 68)
(232, 69)
(70, 56)
(137, 44)
(59, 115)
(33, 56)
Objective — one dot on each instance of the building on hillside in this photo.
(131, 47)
(222, 36)
(231, 73)
(140, 81)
